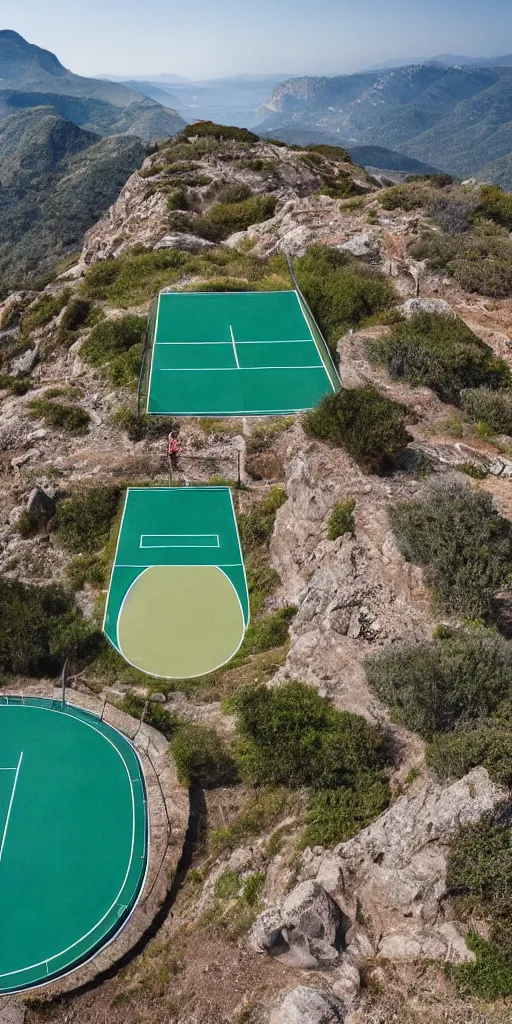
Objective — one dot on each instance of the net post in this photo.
(239, 474)
(63, 679)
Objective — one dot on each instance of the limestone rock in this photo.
(305, 1005)
(413, 306)
(305, 932)
(25, 363)
(41, 503)
(181, 240)
(366, 246)
(501, 467)
(12, 1011)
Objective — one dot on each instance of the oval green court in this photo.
(73, 838)
(180, 621)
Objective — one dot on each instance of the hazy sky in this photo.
(201, 38)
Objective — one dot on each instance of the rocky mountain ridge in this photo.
(361, 932)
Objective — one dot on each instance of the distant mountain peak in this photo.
(14, 49)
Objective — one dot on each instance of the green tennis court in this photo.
(236, 354)
(178, 605)
(73, 838)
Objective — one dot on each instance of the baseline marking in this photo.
(283, 341)
(234, 369)
(11, 801)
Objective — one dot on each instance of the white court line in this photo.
(178, 565)
(283, 341)
(234, 369)
(9, 809)
(179, 537)
(234, 346)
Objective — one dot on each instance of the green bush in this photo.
(227, 885)
(87, 569)
(292, 736)
(453, 755)
(219, 131)
(16, 385)
(490, 977)
(480, 870)
(72, 418)
(440, 352)
(201, 757)
(370, 426)
(496, 205)
(139, 427)
(494, 408)
(341, 291)
(405, 197)
(335, 815)
(471, 470)
(330, 152)
(262, 809)
(154, 714)
(39, 628)
(223, 219)
(112, 338)
(236, 192)
(44, 310)
(462, 542)
(479, 260)
(256, 525)
(460, 677)
(82, 523)
(270, 631)
(177, 199)
(341, 519)
(76, 315)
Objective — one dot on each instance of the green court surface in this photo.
(73, 838)
(236, 354)
(178, 605)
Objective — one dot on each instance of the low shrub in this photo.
(116, 345)
(440, 352)
(471, 470)
(453, 755)
(139, 427)
(262, 809)
(15, 385)
(291, 736)
(490, 977)
(494, 408)
(496, 205)
(452, 216)
(201, 757)
(82, 523)
(87, 569)
(39, 628)
(436, 686)
(406, 197)
(223, 219)
(461, 541)
(480, 869)
(369, 425)
(71, 418)
(341, 519)
(257, 524)
(227, 885)
(75, 316)
(270, 631)
(480, 260)
(153, 714)
(219, 131)
(177, 199)
(341, 291)
(330, 152)
(335, 815)
(44, 310)
(236, 192)
(263, 437)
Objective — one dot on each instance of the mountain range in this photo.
(67, 146)
(456, 118)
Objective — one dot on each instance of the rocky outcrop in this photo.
(304, 1005)
(306, 931)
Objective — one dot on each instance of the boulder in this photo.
(41, 504)
(413, 306)
(181, 240)
(501, 467)
(25, 363)
(305, 931)
(366, 246)
(305, 1005)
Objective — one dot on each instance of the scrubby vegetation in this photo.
(480, 870)
(116, 346)
(341, 291)
(45, 309)
(370, 426)
(341, 519)
(82, 523)
(461, 541)
(223, 219)
(453, 755)
(335, 815)
(492, 408)
(480, 260)
(59, 415)
(139, 274)
(440, 352)
(201, 757)
(209, 129)
(39, 628)
(291, 736)
(462, 676)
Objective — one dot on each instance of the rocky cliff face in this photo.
(358, 933)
